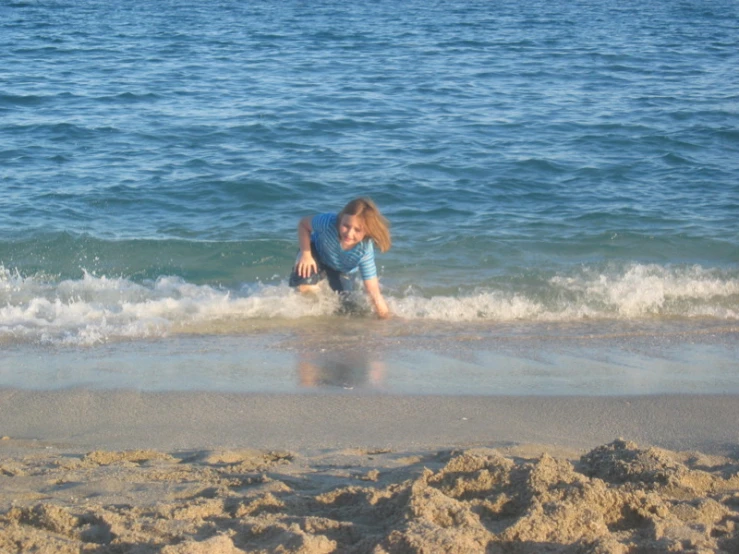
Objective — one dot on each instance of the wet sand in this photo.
(86, 419)
(143, 472)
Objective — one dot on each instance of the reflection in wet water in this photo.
(347, 370)
(321, 361)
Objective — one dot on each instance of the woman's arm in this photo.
(306, 265)
(373, 289)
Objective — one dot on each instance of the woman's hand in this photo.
(306, 265)
(373, 289)
(383, 313)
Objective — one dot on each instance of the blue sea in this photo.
(561, 177)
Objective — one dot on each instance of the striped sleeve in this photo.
(367, 265)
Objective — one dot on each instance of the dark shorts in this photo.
(339, 282)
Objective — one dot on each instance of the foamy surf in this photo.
(96, 309)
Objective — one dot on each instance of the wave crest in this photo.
(96, 309)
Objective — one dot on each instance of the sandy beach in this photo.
(143, 472)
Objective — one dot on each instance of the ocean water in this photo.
(562, 180)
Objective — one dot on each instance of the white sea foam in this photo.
(636, 291)
(642, 290)
(96, 309)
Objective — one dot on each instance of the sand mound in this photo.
(618, 498)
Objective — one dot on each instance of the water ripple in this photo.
(532, 128)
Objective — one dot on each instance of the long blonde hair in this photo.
(376, 226)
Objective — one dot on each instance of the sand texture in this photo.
(617, 498)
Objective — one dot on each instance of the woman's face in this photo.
(351, 231)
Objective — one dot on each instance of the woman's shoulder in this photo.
(323, 221)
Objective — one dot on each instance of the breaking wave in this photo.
(96, 309)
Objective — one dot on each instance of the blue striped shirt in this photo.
(325, 236)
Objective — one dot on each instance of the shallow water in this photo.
(390, 362)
